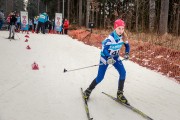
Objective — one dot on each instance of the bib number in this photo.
(114, 53)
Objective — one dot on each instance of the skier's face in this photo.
(119, 30)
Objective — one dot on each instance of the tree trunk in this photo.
(178, 19)
(68, 9)
(87, 12)
(96, 23)
(0, 3)
(38, 7)
(163, 23)
(84, 13)
(100, 20)
(12, 5)
(63, 10)
(80, 12)
(58, 6)
(93, 9)
(137, 6)
(104, 21)
(142, 16)
(152, 15)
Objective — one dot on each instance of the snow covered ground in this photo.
(50, 94)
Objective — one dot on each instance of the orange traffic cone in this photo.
(26, 40)
(27, 36)
(35, 66)
(28, 47)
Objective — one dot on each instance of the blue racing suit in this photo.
(110, 48)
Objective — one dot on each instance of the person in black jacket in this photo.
(1, 19)
(13, 20)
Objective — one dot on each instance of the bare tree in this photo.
(178, 18)
(87, 12)
(137, 6)
(1, 3)
(38, 6)
(58, 6)
(92, 10)
(152, 15)
(97, 13)
(80, 12)
(68, 7)
(163, 23)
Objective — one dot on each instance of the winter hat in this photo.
(118, 23)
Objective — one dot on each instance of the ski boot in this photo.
(9, 37)
(121, 97)
(87, 93)
(12, 37)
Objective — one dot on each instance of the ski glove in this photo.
(110, 60)
(126, 56)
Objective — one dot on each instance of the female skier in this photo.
(110, 55)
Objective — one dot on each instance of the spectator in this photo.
(62, 27)
(50, 26)
(53, 24)
(35, 22)
(46, 21)
(30, 24)
(13, 20)
(1, 19)
(41, 22)
(8, 20)
(18, 22)
(66, 26)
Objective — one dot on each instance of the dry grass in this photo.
(154, 52)
(167, 40)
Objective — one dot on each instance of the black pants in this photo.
(34, 27)
(42, 26)
(65, 31)
(30, 27)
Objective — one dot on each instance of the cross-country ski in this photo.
(86, 106)
(130, 107)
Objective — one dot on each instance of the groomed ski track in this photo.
(50, 94)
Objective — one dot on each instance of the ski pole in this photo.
(17, 36)
(65, 70)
